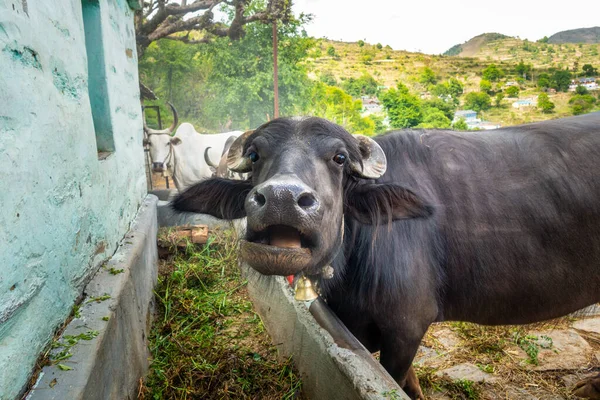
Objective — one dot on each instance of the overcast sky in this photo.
(433, 26)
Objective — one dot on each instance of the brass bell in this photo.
(304, 290)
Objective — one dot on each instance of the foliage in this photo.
(403, 108)
(361, 43)
(460, 125)
(434, 118)
(447, 107)
(161, 19)
(328, 78)
(334, 104)
(485, 86)
(561, 79)
(589, 70)
(427, 77)
(531, 345)
(492, 73)
(512, 91)
(544, 81)
(478, 101)
(524, 70)
(450, 89)
(581, 103)
(331, 51)
(580, 89)
(226, 83)
(365, 85)
(545, 104)
(543, 40)
(498, 99)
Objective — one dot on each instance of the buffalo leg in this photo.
(588, 388)
(396, 357)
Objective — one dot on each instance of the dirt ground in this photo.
(543, 361)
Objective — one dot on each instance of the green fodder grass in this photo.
(206, 342)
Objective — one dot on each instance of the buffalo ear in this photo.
(219, 197)
(373, 204)
(175, 141)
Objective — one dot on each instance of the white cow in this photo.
(182, 155)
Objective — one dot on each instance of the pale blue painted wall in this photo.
(62, 210)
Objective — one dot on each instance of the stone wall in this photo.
(71, 162)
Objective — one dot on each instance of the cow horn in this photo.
(167, 131)
(374, 162)
(222, 168)
(235, 159)
(207, 158)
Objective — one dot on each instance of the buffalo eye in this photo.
(253, 156)
(339, 158)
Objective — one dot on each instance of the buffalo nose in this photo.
(157, 166)
(284, 197)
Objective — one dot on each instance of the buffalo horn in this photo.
(235, 159)
(374, 162)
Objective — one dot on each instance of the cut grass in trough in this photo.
(206, 341)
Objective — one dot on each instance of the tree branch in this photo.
(161, 19)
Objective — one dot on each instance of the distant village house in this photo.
(472, 121)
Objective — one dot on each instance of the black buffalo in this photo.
(499, 227)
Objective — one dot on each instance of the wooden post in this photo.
(275, 80)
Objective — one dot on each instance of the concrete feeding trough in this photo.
(333, 364)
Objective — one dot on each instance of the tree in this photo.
(544, 81)
(333, 103)
(365, 85)
(328, 78)
(580, 89)
(561, 79)
(589, 70)
(361, 43)
(512, 91)
(581, 103)
(232, 82)
(492, 73)
(434, 118)
(379, 46)
(455, 88)
(478, 101)
(331, 51)
(524, 70)
(437, 104)
(485, 86)
(498, 99)
(460, 125)
(403, 108)
(427, 77)
(545, 104)
(163, 19)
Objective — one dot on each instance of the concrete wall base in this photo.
(111, 365)
(328, 371)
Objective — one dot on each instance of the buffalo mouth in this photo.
(278, 250)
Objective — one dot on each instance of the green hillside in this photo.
(389, 67)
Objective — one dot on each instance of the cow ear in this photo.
(221, 198)
(373, 204)
(175, 141)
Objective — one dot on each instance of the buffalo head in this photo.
(306, 174)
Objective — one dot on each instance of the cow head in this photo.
(160, 142)
(306, 175)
